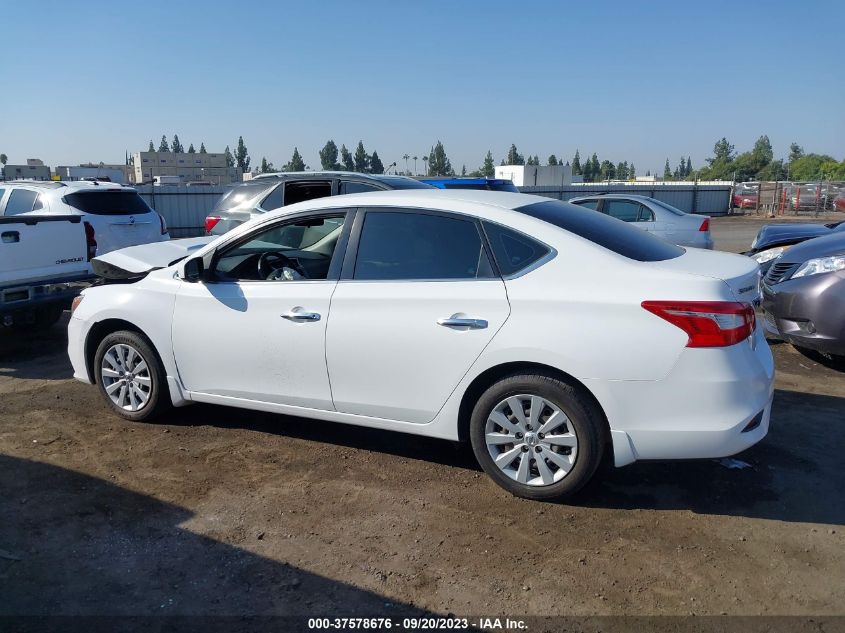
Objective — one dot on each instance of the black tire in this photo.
(158, 401)
(585, 420)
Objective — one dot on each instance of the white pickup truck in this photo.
(44, 263)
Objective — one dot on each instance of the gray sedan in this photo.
(804, 295)
(654, 216)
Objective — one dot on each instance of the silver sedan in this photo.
(654, 216)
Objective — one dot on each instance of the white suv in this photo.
(114, 216)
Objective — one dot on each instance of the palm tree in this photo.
(415, 165)
(425, 161)
(406, 157)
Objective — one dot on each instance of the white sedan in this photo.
(548, 335)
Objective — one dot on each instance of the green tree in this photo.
(4, 159)
(376, 166)
(762, 151)
(164, 146)
(242, 155)
(514, 157)
(191, 149)
(362, 159)
(682, 169)
(176, 146)
(296, 163)
(689, 167)
(406, 157)
(488, 169)
(230, 160)
(607, 170)
(328, 156)
(438, 163)
(266, 168)
(632, 172)
(667, 171)
(723, 151)
(795, 152)
(576, 165)
(152, 147)
(622, 170)
(463, 170)
(202, 149)
(812, 167)
(587, 170)
(553, 160)
(530, 160)
(425, 165)
(346, 159)
(595, 168)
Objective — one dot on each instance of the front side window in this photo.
(20, 201)
(299, 250)
(398, 245)
(301, 191)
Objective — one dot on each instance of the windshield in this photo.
(607, 232)
(399, 182)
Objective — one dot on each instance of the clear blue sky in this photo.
(637, 81)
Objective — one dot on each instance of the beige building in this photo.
(151, 166)
(35, 169)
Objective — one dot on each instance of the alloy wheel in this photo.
(126, 377)
(531, 440)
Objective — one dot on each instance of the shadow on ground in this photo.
(75, 545)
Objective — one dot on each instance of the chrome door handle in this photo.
(300, 315)
(471, 324)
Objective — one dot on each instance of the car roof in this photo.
(329, 174)
(66, 186)
(474, 181)
(615, 196)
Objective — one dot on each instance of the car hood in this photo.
(825, 246)
(778, 234)
(136, 261)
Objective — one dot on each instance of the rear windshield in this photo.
(486, 186)
(668, 207)
(107, 202)
(603, 230)
(240, 193)
(396, 182)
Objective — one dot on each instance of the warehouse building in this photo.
(186, 167)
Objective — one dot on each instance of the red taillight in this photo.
(707, 323)
(705, 226)
(163, 224)
(90, 241)
(210, 222)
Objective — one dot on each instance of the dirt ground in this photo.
(222, 511)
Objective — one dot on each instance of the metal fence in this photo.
(183, 207)
(708, 199)
(789, 198)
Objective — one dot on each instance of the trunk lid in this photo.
(135, 262)
(740, 273)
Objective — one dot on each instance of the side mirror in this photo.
(194, 270)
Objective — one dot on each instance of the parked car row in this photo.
(793, 197)
(49, 233)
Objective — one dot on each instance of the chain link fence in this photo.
(789, 198)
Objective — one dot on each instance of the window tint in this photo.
(397, 245)
(274, 200)
(589, 204)
(106, 202)
(20, 201)
(646, 214)
(357, 187)
(301, 191)
(241, 193)
(294, 251)
(39, 203)
(513, 251)
(624, 210)
(627, 241)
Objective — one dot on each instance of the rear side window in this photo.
(398, 245)
(241, 193)
(107, 202)
(301, 191)
(357, 187)
(20, 201)
(274, 200)
(600, 229)
(624, 210)
(513, 251)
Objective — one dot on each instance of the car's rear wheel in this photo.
(130, 376)
(536, 436)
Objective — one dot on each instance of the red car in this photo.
(839, 202)
(746, 200)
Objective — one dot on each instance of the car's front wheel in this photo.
(536, 436)
(130, 376)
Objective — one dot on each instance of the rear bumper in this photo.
(702, 409)
(20, 300)
(807, 312)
